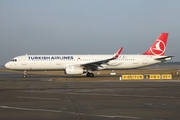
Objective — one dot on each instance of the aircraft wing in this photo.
(96, 64)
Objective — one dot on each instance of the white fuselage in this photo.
(59, 62)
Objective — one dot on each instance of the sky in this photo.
(86, 26)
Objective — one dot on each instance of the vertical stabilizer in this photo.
(159, 46)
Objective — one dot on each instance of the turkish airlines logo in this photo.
(158, 48)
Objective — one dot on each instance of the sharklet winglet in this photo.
(118, 53)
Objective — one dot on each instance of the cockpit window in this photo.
(14, 60)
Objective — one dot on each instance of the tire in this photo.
(90, 75)
(24, 76)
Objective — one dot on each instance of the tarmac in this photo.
(41, 97)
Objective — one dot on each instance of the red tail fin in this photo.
(159, 46)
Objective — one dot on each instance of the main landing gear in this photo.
(25, 74)
(90, 74)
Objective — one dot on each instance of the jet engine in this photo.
(74, 70)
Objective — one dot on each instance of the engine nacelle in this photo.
(74, 70)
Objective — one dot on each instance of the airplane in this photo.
(86, 64)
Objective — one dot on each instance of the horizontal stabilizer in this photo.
(165, 58)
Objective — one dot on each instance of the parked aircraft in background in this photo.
(86, 64)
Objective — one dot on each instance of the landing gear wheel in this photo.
(24, 76)
(90, 75)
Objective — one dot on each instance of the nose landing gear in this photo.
(25, 74)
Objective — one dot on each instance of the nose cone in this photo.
(8, 65)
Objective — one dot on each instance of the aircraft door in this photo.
(23, 60)
(58, 62)
(144, 60)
